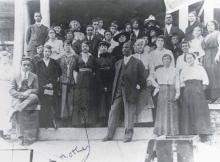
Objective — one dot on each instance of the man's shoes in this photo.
(127, 140)
(107, 139)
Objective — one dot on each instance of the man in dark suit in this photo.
(36, 35)
(136, 29)
(169, 30)
(94, 39)
(129, 77)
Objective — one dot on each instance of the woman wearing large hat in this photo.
(121, 38)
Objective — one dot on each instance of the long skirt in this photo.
(166, 122)
(213, 71)
(85, 108)
(195, 118)
(144, 107)
(66, 101)
(47, 112)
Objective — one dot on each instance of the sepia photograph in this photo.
(109, 80)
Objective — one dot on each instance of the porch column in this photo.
(183, 17)
(27, 21)
(45, 12)
(208, 11)
(18, 33)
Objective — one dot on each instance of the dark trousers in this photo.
(114, 114)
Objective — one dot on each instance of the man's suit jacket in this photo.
(36, 35)
(173, 30)
(16, 84)
(134, 74)
(93, 44)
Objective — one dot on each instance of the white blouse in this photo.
(145, 58)
(195, 72)
(57, 47)
(168, 76)
(157, 55)
(196, 46)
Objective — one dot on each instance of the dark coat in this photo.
(48, 74)
(134, 74)
(93, 44)
(117, 52)
(105, 71)
(36, 35)
(173, 30)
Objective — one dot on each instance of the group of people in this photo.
(160, 75)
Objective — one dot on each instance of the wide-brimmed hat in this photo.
(104, 43)
(158, 30)
(126, 34)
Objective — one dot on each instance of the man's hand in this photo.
(138, 86)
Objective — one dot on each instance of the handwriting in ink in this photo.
(74, 152)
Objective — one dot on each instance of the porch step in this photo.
(51, 134)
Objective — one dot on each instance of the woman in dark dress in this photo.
(84, 95)
(104, 80)
(48, 72)
(195, 119)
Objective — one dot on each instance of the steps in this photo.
(51, 134)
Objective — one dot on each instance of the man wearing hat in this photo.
(130, 76)
(105, 77)
(24, 91)
(121, 38)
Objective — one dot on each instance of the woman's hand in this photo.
(217, 58)
(156, 90)
(149, 83)
(177, 96)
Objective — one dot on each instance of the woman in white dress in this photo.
(145, 102)
(195, 118)
(196, 44)
(167, 84)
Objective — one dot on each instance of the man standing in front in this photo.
(129, 77)
(36, 35)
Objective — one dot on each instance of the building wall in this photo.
(6, 21)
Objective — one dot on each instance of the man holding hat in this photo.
(24, 91)
(130, 76)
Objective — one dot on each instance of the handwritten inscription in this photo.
(74, 152)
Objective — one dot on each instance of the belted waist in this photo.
(85, 69)
(193, 82)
